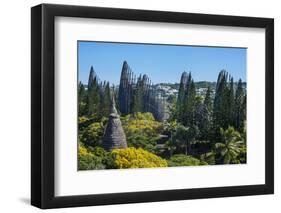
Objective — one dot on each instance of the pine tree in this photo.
(107, 99)
(92, 75)
(203, 120)
(220, 113)
(181, 94)
(101, 105)
(203, 116)
(220, 116)
(240, 106)
(190, 104)
(81, 92)
(208, 100)
(231, 104)
(81, 99)
(93, 98)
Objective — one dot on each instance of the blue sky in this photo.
(162, 63)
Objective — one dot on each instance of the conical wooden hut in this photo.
(114, 136)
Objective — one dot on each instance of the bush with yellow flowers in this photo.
(137, 158)
(142, 130)
(92, 134)
(94, 158)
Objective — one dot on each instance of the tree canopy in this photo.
(203, 123)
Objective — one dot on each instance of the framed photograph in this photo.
(139, 106)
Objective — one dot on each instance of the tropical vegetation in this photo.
(201, 129)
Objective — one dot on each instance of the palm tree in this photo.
(230, 148)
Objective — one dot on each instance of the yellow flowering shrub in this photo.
(92, 134)
(142, 122)
(82, 151)
(86, 160)
(94, 158)
(83, 119)
(142, 130)
(137, 158)
(83, 122)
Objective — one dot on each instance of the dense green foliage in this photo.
(95, 100)
(185, 160)
(96, 158)
(231, 148)
(206, 127)
(142, 131)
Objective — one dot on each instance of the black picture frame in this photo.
(43, 117)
